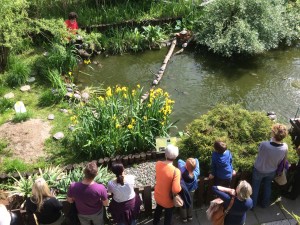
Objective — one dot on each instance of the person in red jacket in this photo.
(71, 23)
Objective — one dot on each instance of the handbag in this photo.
(216, 213)
(280, 178)
(177, 200)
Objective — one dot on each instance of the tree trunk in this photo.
(4, 53)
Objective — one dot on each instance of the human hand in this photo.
(232, 192)
(211, 176)
(233, 172)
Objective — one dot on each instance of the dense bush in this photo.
(120, 123)
(230, 27)
(5, 104)
(242, 131)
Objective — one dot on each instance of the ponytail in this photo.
(118, 169)
(120, 179)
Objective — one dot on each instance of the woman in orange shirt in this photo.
(167, 182)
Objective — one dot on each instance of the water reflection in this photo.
(198, 82)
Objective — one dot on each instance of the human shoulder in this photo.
(129, 179)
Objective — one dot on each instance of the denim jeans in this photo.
(168, 215)
(259, 178)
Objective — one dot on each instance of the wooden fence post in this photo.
(147, 200)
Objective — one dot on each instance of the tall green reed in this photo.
(119, 123)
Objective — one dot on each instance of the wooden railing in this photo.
(203, 195)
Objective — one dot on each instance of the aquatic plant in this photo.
(119, 123)
(240, 129)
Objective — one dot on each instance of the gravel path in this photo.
(144, 173)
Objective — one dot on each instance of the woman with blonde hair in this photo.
(241, 202)
(44, 205)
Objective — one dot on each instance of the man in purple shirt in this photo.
(89, 197)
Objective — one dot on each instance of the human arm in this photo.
(223, 195)
(105, 202)
(70, 197)
(197, 169)
(104, 196)
(181, 165)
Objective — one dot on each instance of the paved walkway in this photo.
(272, 215)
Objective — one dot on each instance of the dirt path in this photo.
(26, 140)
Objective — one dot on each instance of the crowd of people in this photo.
(89, 197)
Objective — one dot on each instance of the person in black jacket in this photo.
(44, 205)
(295, 184)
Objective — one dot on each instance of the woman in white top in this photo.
(125, 204)
(5, 217)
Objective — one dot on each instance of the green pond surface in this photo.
(197, 82)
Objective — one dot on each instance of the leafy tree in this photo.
(13, 27)
(230, 27)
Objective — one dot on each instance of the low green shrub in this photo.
(239, 128)
(50, 97)
(5, 104)
(57, 179)
(21, 117)
(3, 147)
(119, 123)
(12, 165)
(18, 71)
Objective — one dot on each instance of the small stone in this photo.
(9, 95)
(184, 45)
(69, 95)
(85, 96)
(69, 89)
(45, 54)
(155, 82)
(31, 79)
(71, 127)
(25, 88)
(64, 110)
(77, 96)
(58, 135)
(157, 75)
(95, 62)
(51, 117)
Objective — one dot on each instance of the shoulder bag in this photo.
(177, 200)
(280, 177)
(216, 213)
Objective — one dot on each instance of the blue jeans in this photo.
(266, 179)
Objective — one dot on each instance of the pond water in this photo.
(197, 82)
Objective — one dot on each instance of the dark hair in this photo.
(118, 169)
(91, 170)
(220, 146)
(72, 16)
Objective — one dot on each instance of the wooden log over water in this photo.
(162, 69)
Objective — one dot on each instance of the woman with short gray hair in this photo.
(241, 203)
(167, 182)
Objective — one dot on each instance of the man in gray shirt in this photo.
(270, 154)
